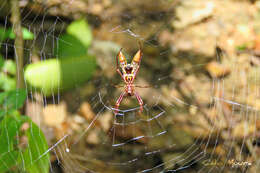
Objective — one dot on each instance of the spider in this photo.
(128, 75)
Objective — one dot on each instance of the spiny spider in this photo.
(128, 75)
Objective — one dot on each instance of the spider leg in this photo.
(120, 58)
(139, 86)
(118, 86)
(119, 53)
(137, 60)
(118, 71)
(119, 101)
(140, 101)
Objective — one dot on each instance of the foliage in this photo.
(75, 41)
(72, 66)
(70, 46)
(7, 74)
(8, 67)
(80, 30)
(55, 75)
(23, 145)
(9, 33)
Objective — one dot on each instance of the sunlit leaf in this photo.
(55, 75)
(9, 67)
(27, 35)
(7, 83)
(35, 157)
(81, 30)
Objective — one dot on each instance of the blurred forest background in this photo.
(201, 59)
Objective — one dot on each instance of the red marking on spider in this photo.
(128, 75)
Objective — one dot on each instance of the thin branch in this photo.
(18, 44)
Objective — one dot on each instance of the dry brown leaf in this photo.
(86, 111)
(34, 111)
(55, 115)
(62, 130)
(243, 129)
(257, 43)
(93, 138)
(106, 121)
(217, 70)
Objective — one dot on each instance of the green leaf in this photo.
(55, 75)
(35, 157)
(13, 99)
(2, 113)
(8, 160)
(3, 34)
(3, 96)
(70, 46)
(242, 47)
(81, 30)
(7, 83)
(1, 61)
(9, 130)
(27, 35)
(9, 67)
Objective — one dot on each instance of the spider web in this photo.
(160, 139)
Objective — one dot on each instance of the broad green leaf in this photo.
(81, 30)
(35, 157)
(27, 35)
(9, 130)
(13, 99)
(55, 75)
(9, 67)
(8, 160)
(70, 46)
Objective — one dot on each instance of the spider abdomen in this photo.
(129, 89)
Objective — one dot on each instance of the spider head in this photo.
(128, 68)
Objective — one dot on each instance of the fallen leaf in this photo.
(86, 111)
(93, 138)
(217, 70)
(106, 121)
(243, 129)
(55, 115)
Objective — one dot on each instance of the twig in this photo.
(18, 44)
